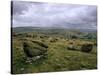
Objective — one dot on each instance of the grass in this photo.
(59, 58)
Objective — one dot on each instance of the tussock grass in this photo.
(62, 55)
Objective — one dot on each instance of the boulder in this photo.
(86, 47)
(71, 47)
(34, 51)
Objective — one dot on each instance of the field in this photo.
(63, 52)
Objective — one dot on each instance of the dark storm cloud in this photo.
(54, 15)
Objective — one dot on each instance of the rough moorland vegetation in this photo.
(46, 50)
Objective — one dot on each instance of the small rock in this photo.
(57, 59)
(28, 61)
(22, 69)
(44, 63)
(37, 57)
(31, 63)
(67, 57)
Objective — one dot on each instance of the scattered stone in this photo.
(22, 69)
(71, 47)
(53, 40)
(44, 63)
(31, 63)
(38, 57)
(67, 57)
(57, 59)
(27, 61)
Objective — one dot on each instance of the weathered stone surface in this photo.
(34, 51)
(86, 47)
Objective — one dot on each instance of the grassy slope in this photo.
(59, 57)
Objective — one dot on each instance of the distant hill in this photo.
(43, 29)
(62, 32)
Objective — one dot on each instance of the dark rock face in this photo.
(34, 50)
(86, 48)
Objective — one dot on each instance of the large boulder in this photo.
(86, 47)
(33, 50)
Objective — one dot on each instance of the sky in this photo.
(40, 14)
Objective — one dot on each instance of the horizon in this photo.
(54, 28)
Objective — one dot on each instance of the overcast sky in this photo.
(39, 14)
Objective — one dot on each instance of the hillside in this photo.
(64, 52)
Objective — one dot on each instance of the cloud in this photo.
(40, 14)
